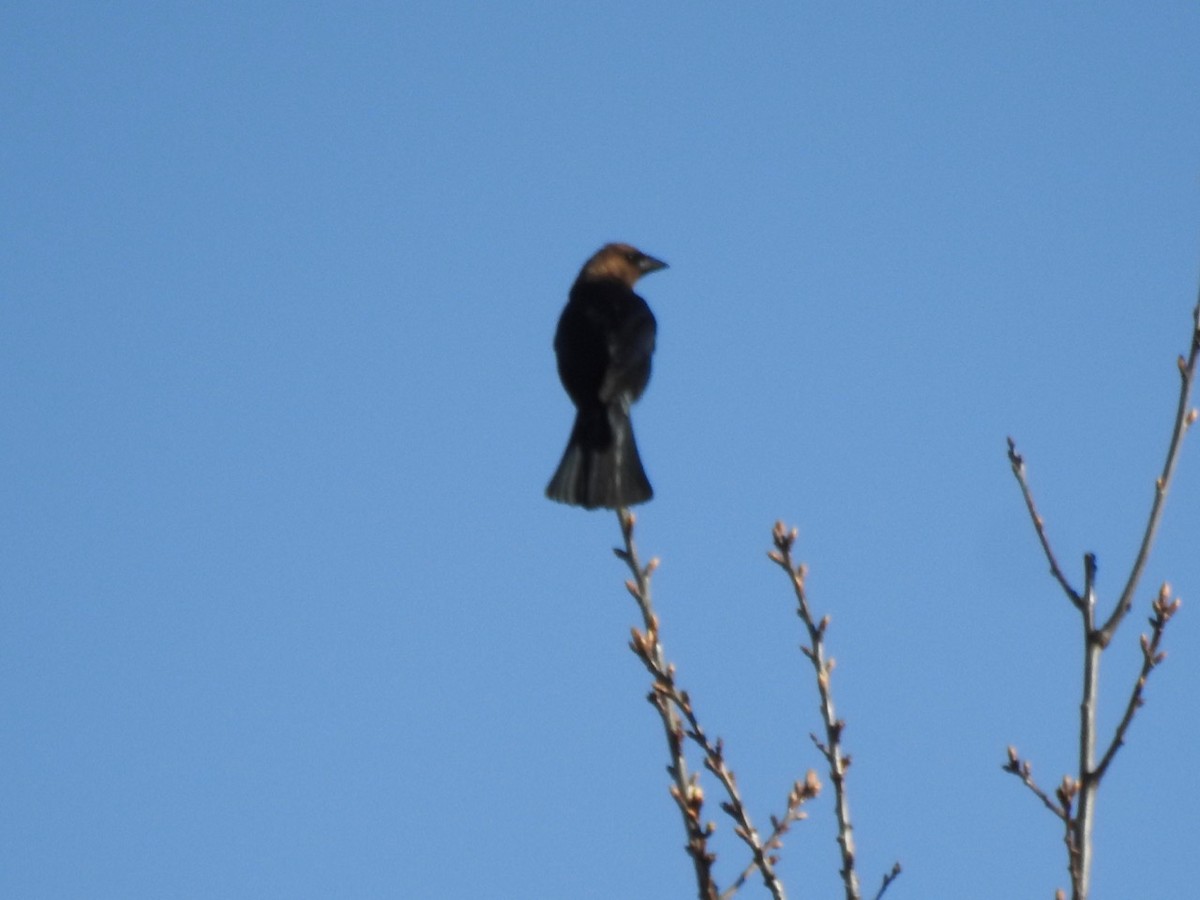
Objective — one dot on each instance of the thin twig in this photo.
(1023, 769)
(714, 761)
(823, 667)
(800, 792)
(1039, 525)
(887, 880)
(1184, 417)
(685, 788)
(1061, 806)
(1164, 608)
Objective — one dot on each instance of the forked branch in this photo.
(1075, 799)
(680, 722)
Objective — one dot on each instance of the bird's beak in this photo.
(648, 264)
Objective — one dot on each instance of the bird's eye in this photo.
(632, 257)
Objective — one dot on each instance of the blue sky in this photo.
(283, 611)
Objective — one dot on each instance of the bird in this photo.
(603, 344)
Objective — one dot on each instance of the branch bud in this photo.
(812, 784)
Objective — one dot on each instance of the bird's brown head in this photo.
(620, 262)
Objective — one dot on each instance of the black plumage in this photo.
(604, 343)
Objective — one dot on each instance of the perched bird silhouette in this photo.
(604, 342)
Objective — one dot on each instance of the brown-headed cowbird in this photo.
(604, 342)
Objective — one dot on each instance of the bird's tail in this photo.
(601, 466)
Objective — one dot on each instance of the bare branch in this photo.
(1023, 769)
(1018, 467)
(887, 880)
(1164, 608)
(1062, 806)
(823, 668)
(1184, 417)
(1076, 797)
(801, 791)
(685, 787)
(714, 761)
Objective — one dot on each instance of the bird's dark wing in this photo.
(630, 347)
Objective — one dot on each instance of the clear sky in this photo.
(283, 611)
